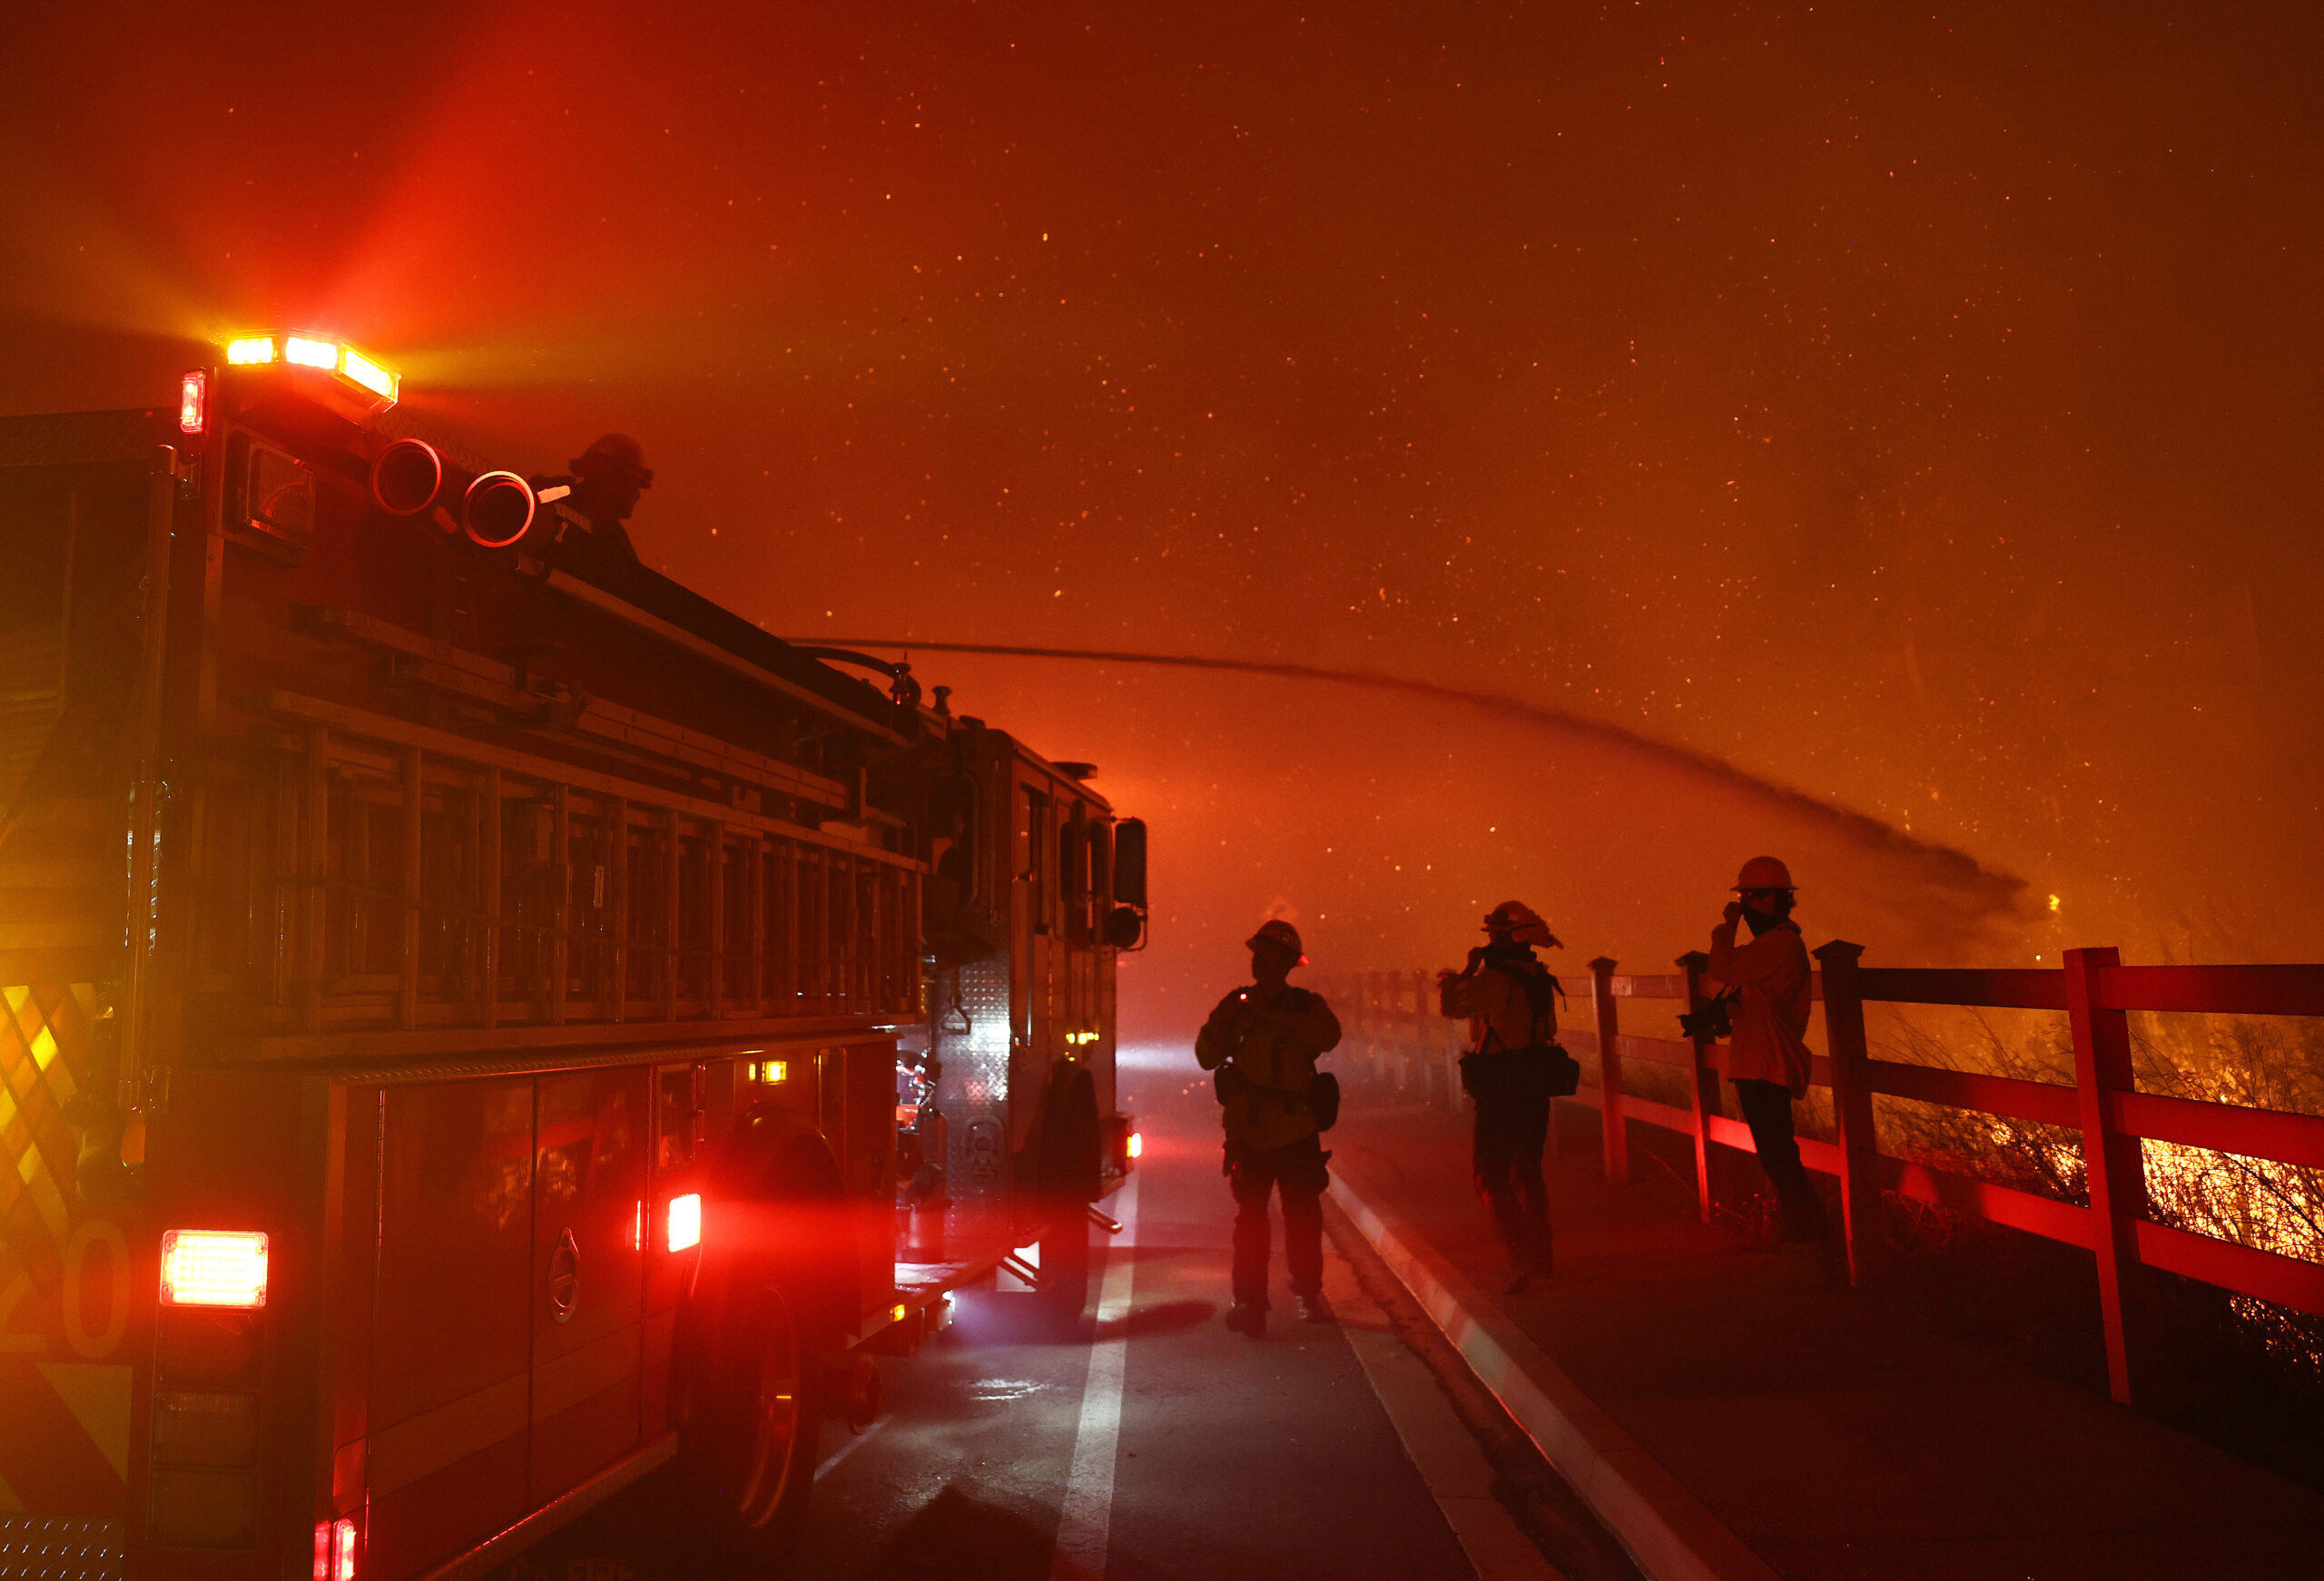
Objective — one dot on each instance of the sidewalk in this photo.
(1834, 1433)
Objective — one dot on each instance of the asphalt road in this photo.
(1148, 1442)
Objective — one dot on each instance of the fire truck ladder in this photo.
(374, 875)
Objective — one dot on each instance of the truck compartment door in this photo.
(591, 1217)
(451, 1343)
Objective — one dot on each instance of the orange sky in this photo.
(1912, 411)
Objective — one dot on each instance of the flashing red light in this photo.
(686, 1222)
(213, 1268)
(1136, 1147)
(194, 402)
(335, 1550)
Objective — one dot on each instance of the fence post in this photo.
(1375, 1031)
(1391, 1059)
(1384, 1031)
(1698, 1088)
(1350, 1006)
(1851, 1106)
(1424, 1046)
(1416, 1072)
(1453, 1038)
(1424, 1050)
(1610, 1070)
(1374, 1045)
(1392, 1026)
(2112, 1165)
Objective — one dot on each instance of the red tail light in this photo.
(686, 1221)
(1136, 1143)
(335, 1550)
(213, 1268)
(194, 402)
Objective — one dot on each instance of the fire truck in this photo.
(484, 1023)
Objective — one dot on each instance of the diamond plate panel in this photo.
(35, 1548)
(83, 438)
(974, 1092)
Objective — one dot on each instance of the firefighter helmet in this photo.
(1764, 873)
(1521, 923)
(1275, 930)
(615, 453)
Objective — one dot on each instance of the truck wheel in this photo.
(747, 1450)
(1071, 1148)
(1065, 1262)
(756, 1337)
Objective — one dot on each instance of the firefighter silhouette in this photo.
(607, 479)
(1512, 1071)
(1768, 1062)
(1262, 1042)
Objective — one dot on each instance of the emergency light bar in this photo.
(379, 384)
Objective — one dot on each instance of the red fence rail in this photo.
(1398, 1038)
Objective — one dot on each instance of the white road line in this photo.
(855, 1441)
(1084, 1524)
(1437, 1440)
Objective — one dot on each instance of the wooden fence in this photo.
(1394, 1036)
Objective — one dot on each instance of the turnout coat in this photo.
(1774, 990)
(1507, 1070)
(1272, 1042)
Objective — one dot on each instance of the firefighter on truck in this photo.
(455, 985)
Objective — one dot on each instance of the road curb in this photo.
(1666, 1530)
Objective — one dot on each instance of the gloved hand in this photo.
(1476, 959)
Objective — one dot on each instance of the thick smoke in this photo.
(1969, 895)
